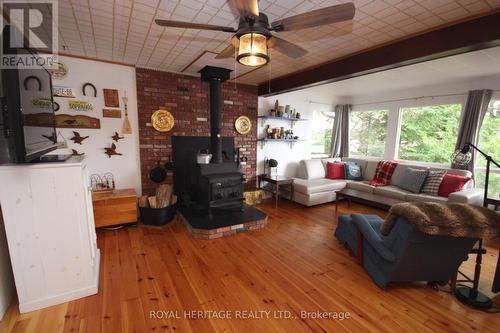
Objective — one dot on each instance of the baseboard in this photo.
(89, 290)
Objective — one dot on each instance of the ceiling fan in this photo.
(253, 37)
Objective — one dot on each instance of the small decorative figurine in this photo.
(77, 138)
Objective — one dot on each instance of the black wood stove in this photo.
(220, 183)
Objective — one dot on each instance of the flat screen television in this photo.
(27, 118)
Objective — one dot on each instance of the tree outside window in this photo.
(367, 133)
(322, 124)
(429, 133)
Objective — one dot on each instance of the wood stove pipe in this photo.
(215, 76)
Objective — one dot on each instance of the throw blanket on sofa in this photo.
(383, 173)
(455, 219)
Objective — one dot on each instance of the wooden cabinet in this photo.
(49, 224)
(115, 208)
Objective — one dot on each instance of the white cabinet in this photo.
(49, 223)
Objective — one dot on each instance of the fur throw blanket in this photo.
(455, 219)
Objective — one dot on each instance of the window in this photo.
(322, 124)
(429, 133)
(367, 133)
(489, 143)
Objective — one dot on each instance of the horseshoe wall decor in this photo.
(32, 77)
(91, 85)
(56, 107)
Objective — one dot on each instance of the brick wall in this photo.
(187, 98)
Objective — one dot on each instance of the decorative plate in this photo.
(243, 125)
(162, 120)
(59, 70)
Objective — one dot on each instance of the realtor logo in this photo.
(28, 24)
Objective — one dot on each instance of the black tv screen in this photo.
(28, 118)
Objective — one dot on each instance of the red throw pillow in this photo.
(452, 183)
(335, 170)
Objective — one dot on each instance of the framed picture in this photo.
(111, 98)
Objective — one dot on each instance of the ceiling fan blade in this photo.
(228, 52)
(189, 25)
(322, 16)
(287, 48)
(246, 7)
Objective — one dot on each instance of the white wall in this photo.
(125, 168)
(287, 157)
(7, 288)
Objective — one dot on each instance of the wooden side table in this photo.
(276, 182)
(114, 208)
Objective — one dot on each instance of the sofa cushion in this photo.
(424, 198)
(383, 173)
(361, 186)
(325, 161)
(391, 191)
(353, 171)
(311, 169)
(335, 170)
(399, 172)
(413, 179)
(359, 161)
(369, 171)
(432, 182)
(310, 186)
(452, 183)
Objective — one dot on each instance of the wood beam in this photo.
(475, 34)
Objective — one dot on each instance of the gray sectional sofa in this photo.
(311, 187)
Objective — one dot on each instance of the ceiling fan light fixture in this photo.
(252, 49)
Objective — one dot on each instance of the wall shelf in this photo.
(291, 120)
(289, 141)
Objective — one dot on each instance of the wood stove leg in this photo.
(453, 282)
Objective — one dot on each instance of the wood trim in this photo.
(95, 59)
(465, 36)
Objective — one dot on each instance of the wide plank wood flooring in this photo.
(294, 264)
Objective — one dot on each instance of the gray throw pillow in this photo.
(413, 179)
(432, 182)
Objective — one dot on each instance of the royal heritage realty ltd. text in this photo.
(248, 314)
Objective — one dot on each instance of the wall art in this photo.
(116, 137)
(88, 84)
(80, 106)
(162, 120)
(77, 138)
(111, 98)
(32, 78)
(46, 119)
(111, 113)
(59, 70)
(76, 153)
(126, 129)
(111, 151)
(60, 91)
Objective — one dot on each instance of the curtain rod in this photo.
(399, 100)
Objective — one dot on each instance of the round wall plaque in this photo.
(162, 120)
(243, 125)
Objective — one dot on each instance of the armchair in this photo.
(405, 254)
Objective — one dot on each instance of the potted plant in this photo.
(272, 167)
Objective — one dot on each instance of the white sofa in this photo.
(311, 187)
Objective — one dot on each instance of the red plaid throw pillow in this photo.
(383, 173)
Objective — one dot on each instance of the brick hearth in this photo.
(223, 231)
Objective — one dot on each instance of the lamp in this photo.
(252, 49)
(467, 295)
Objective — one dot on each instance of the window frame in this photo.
(327, 108)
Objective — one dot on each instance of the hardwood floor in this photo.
(294, 264)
